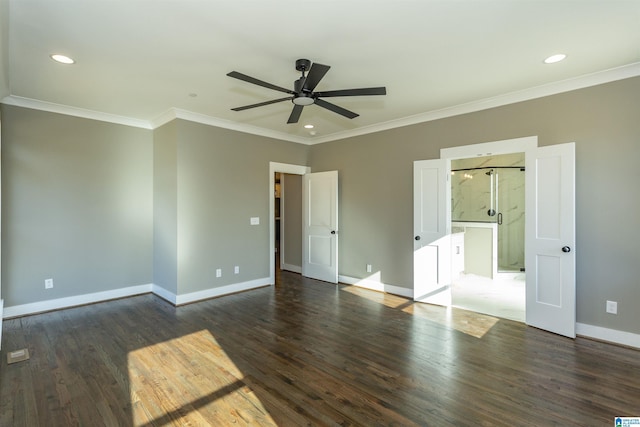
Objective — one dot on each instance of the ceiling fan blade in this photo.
(316, 73)
(249, 79)
(354, 92)
(295, 114)
(332, 107)
(260, 104)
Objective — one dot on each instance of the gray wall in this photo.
(165, 207)
(223, 181)
(4, 49)
(76, 205)
(376, 202)
(78, 198)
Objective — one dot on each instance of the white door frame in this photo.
(282, 168)
(525, 145)
(508, 146)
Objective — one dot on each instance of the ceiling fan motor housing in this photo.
(303, 65)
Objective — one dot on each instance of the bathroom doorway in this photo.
(488, 229)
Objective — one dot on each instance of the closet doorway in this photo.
(288, 222)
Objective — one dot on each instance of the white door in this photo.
(320, 226)
(550, 239)
(432, 237)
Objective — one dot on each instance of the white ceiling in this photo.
(140, 60)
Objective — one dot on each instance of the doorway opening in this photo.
(487, 234)
(283, 169)
(549, 230)
(288, 222)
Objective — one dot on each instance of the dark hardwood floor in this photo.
(305, 353)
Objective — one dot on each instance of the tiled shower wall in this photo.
(473, 196)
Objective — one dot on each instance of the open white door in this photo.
(550, 245)
(432, 237)
(320, 226)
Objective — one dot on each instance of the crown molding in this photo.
(177, 113)
(594, 79)
(51, 107)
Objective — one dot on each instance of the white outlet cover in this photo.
(219, 272)
(255, 220)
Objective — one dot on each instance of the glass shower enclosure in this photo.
(495, 194)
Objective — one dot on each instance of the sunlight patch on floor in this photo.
(467, 322)
(372, 289)
(190, 380)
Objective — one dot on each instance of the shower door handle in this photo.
(500, 219)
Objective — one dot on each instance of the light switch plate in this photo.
(255, 220)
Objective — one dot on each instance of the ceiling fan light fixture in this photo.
(303, 100)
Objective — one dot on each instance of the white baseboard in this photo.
(610, 335)
(291, 267)
(223, 290)
(60, 303)
(376, 286)
(164, 294)
(56, 304)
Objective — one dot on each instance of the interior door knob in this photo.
(417, 237)
(566, 249)
(333, 231)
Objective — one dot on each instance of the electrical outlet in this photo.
(612, 307)
(48, 283)
(236, 269)
(218, 272)
(368, 268)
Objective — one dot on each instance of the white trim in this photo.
(228, 124)
(581, 82)
(609, 335)
(221, 291)
(282, 168)
(56, 304)
(68, 302)
(51, 107)
(376, 286)
(164, 294)
(506, 146)
(292, 268)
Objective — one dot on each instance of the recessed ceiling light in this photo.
(555, 58)
(62, 59)
(308, 126)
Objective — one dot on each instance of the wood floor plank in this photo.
(305, 352)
